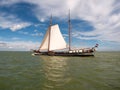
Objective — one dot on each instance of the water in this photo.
(21, 71)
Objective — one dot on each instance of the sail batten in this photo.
(56, 41)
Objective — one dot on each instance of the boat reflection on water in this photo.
(56, 72)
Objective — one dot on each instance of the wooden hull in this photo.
(64, 54)
(75, 54)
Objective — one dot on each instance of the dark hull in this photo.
(74, 54)
(64, 54)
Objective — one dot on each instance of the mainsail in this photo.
(53, 39)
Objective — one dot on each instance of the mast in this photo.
(49, 33)
(69, 30)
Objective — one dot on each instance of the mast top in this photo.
(51, 20)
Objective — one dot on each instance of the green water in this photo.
(21, 71)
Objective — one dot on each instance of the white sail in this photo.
(44, 44)
(55, 40)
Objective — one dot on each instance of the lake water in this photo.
(22, 71)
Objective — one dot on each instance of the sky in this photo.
(23, 23)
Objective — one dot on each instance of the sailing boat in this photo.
(54, 44)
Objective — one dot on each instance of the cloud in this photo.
(12, 22)
(15, 38)
(103, 15)
(2, 44)
(106, 23)
(37, 34)
(23, 32)
(19, 45)
(35, 30)
(19, 26)
(8, 2)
